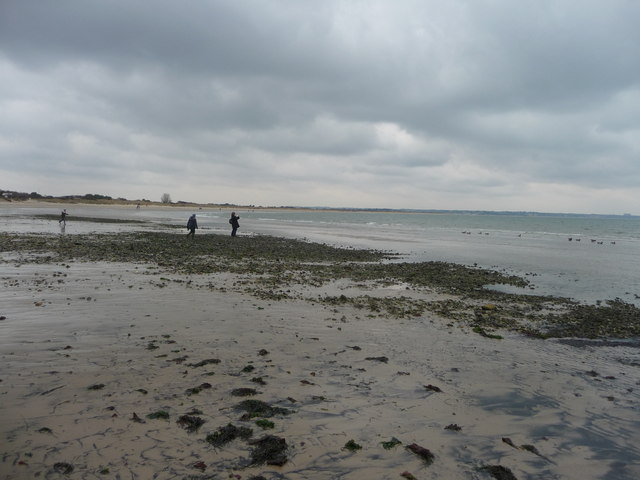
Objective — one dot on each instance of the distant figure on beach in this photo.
(234, 223)
(63, 217)
(192, 224)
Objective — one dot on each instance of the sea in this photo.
(589, 258)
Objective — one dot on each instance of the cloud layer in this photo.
(484, 104)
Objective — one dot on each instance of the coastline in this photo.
(91, 346)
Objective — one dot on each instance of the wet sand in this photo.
(91, 350)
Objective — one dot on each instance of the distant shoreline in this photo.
(35, 203)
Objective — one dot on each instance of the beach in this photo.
(288, 361)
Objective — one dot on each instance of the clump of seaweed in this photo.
(499, 472)
(63, 467)
(270, 450)
(258, 408)
(265, 424)
(190, 423)
(244, 392)
(422, 452)
(481, 331)
(227, 434)
(352, 446)
(433, 388)
(388, 445)
(198, 389)
(160, 414)
(202, 363)
(378, 359)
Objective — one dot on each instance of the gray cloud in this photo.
(428, 104)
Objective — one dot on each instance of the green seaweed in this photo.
(352, 446)
(160, 414)
(258, 408)
(227, 434)
(389, 444)
(265, 424)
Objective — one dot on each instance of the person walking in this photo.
(234, 223)
(63, 217)
(192, 224)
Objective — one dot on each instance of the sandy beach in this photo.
(139, 369)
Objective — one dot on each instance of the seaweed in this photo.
(499, 472)
(270, 450)
(388, 445)
(265, 424)
(258, 408)
(190, 423)
(244, 392)
(160, 414)
(352, 446)
(63, 467)
(227, 434)
(202, 363)
(433, 388)
(454, 427)
(378, 359)
(422, 452)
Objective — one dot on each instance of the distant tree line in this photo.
(13, 195)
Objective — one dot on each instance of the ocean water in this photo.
(588, 258)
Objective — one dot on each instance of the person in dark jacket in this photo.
(192, 224)
(234, 223)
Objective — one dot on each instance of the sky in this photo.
(527, 105)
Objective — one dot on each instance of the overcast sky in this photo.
(445, 104)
